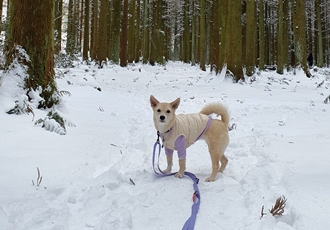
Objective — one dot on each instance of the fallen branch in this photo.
(262, 212)
(130, 179)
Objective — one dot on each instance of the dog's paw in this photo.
(179, 175)
(210, 179)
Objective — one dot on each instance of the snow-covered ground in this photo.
(280, 147)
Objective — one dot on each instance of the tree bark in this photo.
(31, 26)
(115, 41)
(233, 56)
(202, 39)
(319, 58)
(86, 31)
(261, 35)
(58, 26)
(123, 38)
(299, 32)
(280, 33)
(251, 37)
(102, 35)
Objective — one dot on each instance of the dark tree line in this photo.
(243, 35)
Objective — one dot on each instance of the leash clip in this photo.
(194, 196)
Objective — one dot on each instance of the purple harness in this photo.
(180, 142)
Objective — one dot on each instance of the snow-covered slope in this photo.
(280, 147)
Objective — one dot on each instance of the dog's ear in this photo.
(175, 104)
(153, 101)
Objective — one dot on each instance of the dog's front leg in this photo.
(182, 165)
(169, 158)
(180, 146)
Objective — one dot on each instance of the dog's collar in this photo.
(162, 135)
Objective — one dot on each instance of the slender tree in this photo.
(1, 5)
(202, 41)
(58, 26)
(137, 33)
(223, 32)
(319, 38)
(71, 32)
(115, 39)
(233, 55)
(193, 33)
(215, 25)
(94, 29)
(261, 35)
(154, 38)
(280, 36)
(102, 35)
(131, 32)
(145, 31)
(286, 35)
(251, 37)
(123, 37)
(299, 31)
(86, 31)
(186, 34)
(37, 39)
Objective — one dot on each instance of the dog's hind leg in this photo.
(224, 162)
(214, 153)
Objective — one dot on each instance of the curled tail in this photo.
(217, 109)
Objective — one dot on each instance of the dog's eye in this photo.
(158, 110)
(168, 111)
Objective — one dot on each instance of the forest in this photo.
(243, 36)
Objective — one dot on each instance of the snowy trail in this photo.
(279, 147)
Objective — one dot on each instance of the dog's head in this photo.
(164, 113)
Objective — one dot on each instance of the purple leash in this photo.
(190, 223)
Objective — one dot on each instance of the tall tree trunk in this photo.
(131, 32)
(280, 36)
(319, 58)
(1, 6)
(202, 40)
(58, 26)
(233, 56)
(299, 32)
(137, 48)
(223, 32)
(193, 33)
(102, 36)
(153, 37)
(186, 33)
(286, 37)
(215, 25)
(94, 29)
(123, 38)
(115, 41)
(261, 35)
(145, 41)
(251, 37)
(37, 39)
(86, 31)
(71, 32)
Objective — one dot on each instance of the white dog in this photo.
(178, 132)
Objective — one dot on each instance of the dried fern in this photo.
(278, 208)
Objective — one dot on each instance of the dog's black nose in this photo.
(162, 117)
